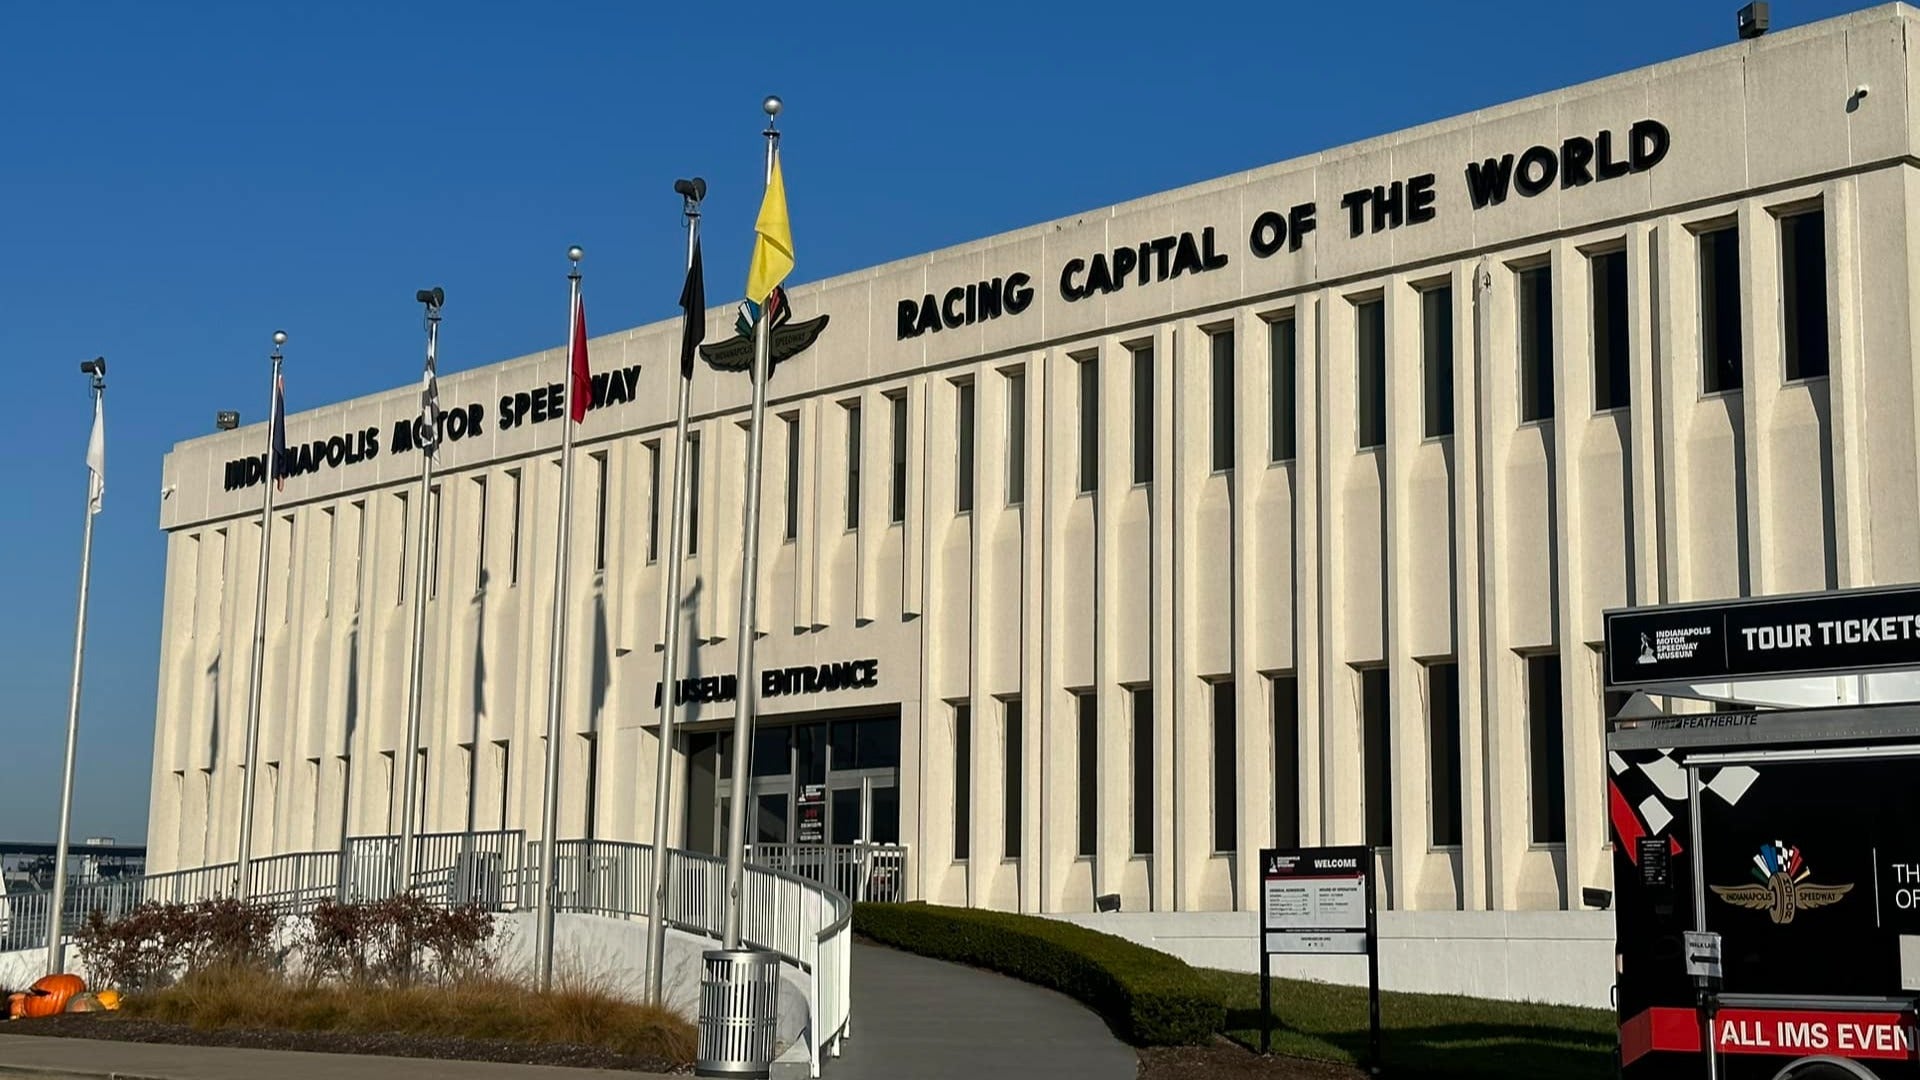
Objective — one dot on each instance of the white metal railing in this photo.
(806, 923)
(448, 867)
(804, 917)
(859, 872)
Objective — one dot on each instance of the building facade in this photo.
(1100, 554)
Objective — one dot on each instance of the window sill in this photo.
(1443, 437)
(1612, 410)
(1806, 380)
(1709, 395)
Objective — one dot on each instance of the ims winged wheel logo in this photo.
(1784, 890)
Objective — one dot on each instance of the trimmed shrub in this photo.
(1148, 997)
(398, 941)
(155, 944)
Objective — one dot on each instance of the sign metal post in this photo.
(1321, 901)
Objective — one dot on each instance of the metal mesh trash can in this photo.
(739, 1000)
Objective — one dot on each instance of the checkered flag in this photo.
(1647, 794)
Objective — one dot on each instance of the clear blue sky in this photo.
(178, 180)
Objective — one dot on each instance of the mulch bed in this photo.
(130, 1029)
(1226, 1060)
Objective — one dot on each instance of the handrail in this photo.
(807, 922)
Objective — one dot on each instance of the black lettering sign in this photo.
(964, 306)
(614, 387)
(779, 682)
(1835, 633)
(1149, 262)
(1577, 161)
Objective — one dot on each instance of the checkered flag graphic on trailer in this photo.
(1647, 794)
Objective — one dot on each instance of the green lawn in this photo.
(1422, 1035)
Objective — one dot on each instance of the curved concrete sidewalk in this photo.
(929, 1020)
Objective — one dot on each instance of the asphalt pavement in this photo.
(921, 1019)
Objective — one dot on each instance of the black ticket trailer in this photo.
(1767, 860)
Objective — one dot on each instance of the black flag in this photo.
(693, 301)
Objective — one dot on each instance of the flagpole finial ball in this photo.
(279, 337)
(771, 106)
(575, 253)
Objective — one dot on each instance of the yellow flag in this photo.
(772, 241)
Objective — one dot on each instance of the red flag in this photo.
(580, 392)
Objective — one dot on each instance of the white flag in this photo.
(430, 408)
(97, 457)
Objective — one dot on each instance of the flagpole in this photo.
(97, 369)
(747, 696)
(244, 862)
(557, 657)
(691, 195)
(429, 444)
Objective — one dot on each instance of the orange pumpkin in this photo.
(16, 1006)
(49, 996)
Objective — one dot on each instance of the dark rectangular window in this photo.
(513, 530)
(599, 511)
(1536, 342)
(963, 450)
(480, 540)
(1443, 751)
(1016, 437)
(1089, 368)
(1143, 414)
(286, 584)
(1013, 747)
(1089, 831)
(1376, 734)
(853, 466)
(1436, 359)
(1370, 367)
(693, 493)
(433, 562)
(1803, 293)
(400, 594)
(1612, 385)
(593, 782)
(1281, 346)
(1286, 761)
(962, 780)
(792, 528)
(653, 501)
(1546, 771)
(1220, 343)
(1720, 359)
(897, 505)
(333, 526)
(1142, 770)
(1226, 769)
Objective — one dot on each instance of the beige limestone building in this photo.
(1277, 509)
